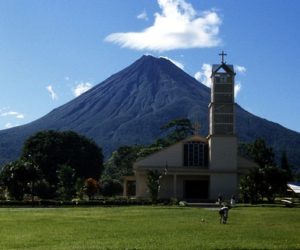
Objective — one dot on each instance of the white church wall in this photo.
(167, 187)
(223, 153)
(224, 184)
(141, 186)
(173, 156)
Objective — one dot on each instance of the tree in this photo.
(66, 182)
(284, 164)
(91, 187)
(249, 186)
(51, 149)
(15, 177)
(43, 189)
(21, 177)
(261, 154)
(120, 163)
(266, 180)
(145, 151)
(32, 175)
(274, 182)
(177, 130)
(153, 183)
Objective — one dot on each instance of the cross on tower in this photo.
(223, 55)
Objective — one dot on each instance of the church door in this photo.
(196, 190)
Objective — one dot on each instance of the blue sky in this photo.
(53, 50)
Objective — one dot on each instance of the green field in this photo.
(149, 228)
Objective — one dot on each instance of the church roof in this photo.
(195, 138)
(227, 67)
(295, 187)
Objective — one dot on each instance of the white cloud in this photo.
(178, 26)
(204, 75)
(178, 64)
(237, 88)
(143, 15)
(8, 125)
(52, 93)
(13, 113)
(240, 69)
(81, 88)
(8, 115)
(238, 85)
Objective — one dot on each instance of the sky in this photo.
(51, 51)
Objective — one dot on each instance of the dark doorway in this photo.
(196, 190)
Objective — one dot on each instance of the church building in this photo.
(198, 168)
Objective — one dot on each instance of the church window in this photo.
(195, 154)
(223, 79)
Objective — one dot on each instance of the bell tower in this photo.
(222, 139)
(222, 99)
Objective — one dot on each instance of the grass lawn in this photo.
(149, 228)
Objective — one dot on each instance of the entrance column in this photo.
(124, 187)
(175, 185)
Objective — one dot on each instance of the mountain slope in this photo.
(130, 106)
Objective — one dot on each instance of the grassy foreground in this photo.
(149, 228)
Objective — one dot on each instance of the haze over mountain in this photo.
(130, 107)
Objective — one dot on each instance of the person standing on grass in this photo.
(223, 212)
(220, 199)
(232, 201)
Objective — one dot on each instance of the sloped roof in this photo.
(244, 163)
(295, 187)
(191, 138)
(227, 67)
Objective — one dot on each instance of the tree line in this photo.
(64, 165)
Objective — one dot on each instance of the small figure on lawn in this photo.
(232, 201)
(223, 212)
(220, 199)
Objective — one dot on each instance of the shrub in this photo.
(91, 187)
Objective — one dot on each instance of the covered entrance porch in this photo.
(191, 188)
